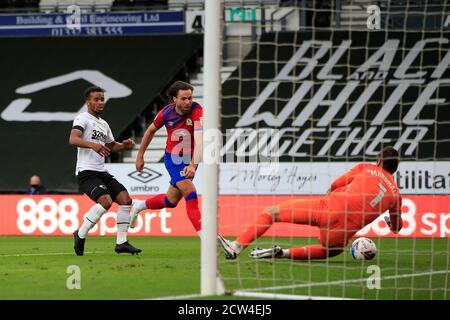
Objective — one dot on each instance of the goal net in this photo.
(311, 88)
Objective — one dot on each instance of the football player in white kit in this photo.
(95, 141)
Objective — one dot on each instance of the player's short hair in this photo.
(389, 158)
(177, 86)
(89, 90)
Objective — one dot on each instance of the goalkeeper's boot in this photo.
(78, 244)
(134, 213)
(274, 252)
(126, 247)
(228, 248)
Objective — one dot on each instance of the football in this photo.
(363, 249)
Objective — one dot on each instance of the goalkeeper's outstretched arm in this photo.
(395, 222)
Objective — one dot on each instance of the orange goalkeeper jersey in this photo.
(365, 192)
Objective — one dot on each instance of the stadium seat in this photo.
(103, 5)
(140, 4)
(48, 5)
(251, 3)
(176, 4)
(120, 3)
(86, 5)
(63, 4)
(29, 3)
(186, 4)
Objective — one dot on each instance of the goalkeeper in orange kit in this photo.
(355, 199)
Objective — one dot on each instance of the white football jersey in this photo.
(94, 130)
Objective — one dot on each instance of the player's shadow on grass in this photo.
(303, 262)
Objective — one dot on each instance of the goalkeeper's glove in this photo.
(396, 228)
(388, 221)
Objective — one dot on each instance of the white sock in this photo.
(123, 222)
(139, 205)
(285, 253)
(237, 247)
(90, 219)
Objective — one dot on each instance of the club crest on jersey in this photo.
(189, 122)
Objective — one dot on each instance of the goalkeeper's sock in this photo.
(90, 219)
(257, 229)
(192, 210)
(123, 222)
(316, 251)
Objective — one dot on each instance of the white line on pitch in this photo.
(339, 282)
(186, 296)
(40, 254)
(281, 296)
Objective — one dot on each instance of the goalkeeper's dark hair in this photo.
(89, 90)
(389, 158)
(177, 86)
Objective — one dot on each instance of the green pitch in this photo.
(39, 268)
(407, 269)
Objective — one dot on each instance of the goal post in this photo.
(211, 125)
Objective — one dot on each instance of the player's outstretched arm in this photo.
(77, 141)
(395, 222)
(148, 137)
(117, 146)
